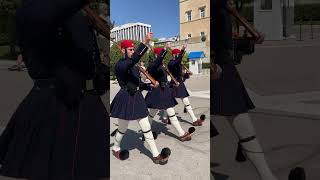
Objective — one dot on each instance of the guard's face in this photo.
(175, 57)
(130, 52)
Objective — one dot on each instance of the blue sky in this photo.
(162, 15)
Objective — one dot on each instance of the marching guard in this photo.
(180, 90)
(59, 129)
(161, 97)
(230, 98)
(129, 103)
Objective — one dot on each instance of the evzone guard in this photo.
(230, 98)
(161, 97)
(129, 103)
(59, 130)
(179, 89)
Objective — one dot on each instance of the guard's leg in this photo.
(249, 145)
(183, 136)
(152, 114)
(146, 129)
(165, 117)
(187, 105)
(122, 128)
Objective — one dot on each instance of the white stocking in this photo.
(189, 108)
(122, 128)
(174, 121)
(251, 147)
(146, 129)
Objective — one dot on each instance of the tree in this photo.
(155, 40)
(239, 6)
(8, 9)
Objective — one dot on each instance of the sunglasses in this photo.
(130, 49)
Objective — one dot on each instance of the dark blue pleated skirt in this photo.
(125, 106)
(229, 95)
(180, 91)
(160, 98)
(46, 141)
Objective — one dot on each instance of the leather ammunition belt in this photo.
(126, 88)
(44, 83)
(51, 83)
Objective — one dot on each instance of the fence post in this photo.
(300, 25)
(311, 23)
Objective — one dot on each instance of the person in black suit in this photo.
(59, 130)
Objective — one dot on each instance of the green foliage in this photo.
(168, 56)
(302, 12)
(247, 12)
(305, 12)
(155, 40)
(206, 65)
(9, 6)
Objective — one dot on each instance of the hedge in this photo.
(302, 11)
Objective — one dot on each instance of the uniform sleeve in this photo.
(141, 50)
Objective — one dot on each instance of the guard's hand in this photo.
(148, 38)
(155, 85)
(217, 73)
(184, 46)
(261, 38)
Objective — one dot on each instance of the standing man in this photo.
(161, 97)
(129, 103)
(180, 91)
(230, 98)
(59, 130)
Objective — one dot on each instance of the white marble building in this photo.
(132, 31)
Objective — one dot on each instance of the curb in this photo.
(285, 114)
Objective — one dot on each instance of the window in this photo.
(266, 4)
(189, 16)
(189, 35)
(202, 34)
(202, 12)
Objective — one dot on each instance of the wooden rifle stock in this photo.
(256, 35)
(176, 83)
(153, 81)
(188, 71)
(99, 24)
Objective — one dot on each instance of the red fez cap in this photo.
(126, 44)
(157, 50)
(175, 51)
